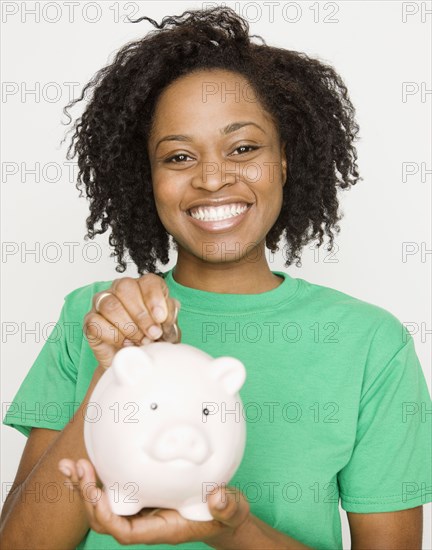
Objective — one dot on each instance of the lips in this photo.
(221, 225)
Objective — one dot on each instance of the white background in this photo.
(374, 47)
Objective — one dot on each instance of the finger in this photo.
(128, 290)
(70, 469)
(104, 338)
(155, 294)
(102, 519)
(91, 495)
(115, 308)
(234, 508)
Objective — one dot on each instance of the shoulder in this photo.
(359, 314)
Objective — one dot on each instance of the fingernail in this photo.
(128, 342)
(158, 313)
(65, 470)
(155, 332)
(80, 471)
(221, 503)
(146, 341)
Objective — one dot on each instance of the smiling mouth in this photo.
(218, 213)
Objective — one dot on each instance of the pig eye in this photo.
(206, 411)
(153, 406)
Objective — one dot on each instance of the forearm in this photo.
(257, 535)
(42, 512)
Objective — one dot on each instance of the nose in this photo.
(215, 172)
(182, 441)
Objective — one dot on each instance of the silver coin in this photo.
(172, 334)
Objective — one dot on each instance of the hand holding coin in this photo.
(131, 312)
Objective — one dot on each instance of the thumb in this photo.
(229, 506)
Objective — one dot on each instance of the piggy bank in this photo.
(169, 428)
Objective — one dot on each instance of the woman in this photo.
(194, 117)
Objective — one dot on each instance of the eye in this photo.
(250, 147)
(180, 156)
(153, 406)
(206, 411)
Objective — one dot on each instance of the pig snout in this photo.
(184, 442)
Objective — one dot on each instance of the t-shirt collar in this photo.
(216, 302)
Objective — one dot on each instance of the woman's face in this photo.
(212, 141)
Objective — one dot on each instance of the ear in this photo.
(131, 365)
(230, 372)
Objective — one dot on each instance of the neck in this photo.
(243, 276)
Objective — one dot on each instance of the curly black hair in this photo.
(306, 98)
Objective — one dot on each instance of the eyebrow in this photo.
(233, 127)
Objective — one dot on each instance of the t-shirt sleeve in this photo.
(390, 466)
(46, 397)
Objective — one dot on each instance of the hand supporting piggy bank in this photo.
(170, 428)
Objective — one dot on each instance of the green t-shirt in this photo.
(335, 401)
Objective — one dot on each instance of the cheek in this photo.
(167, 200)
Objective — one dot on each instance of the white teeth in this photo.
(218, 213)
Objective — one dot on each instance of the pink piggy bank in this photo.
(169, 428)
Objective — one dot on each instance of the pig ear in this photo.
(131, 365)
(230, 372)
